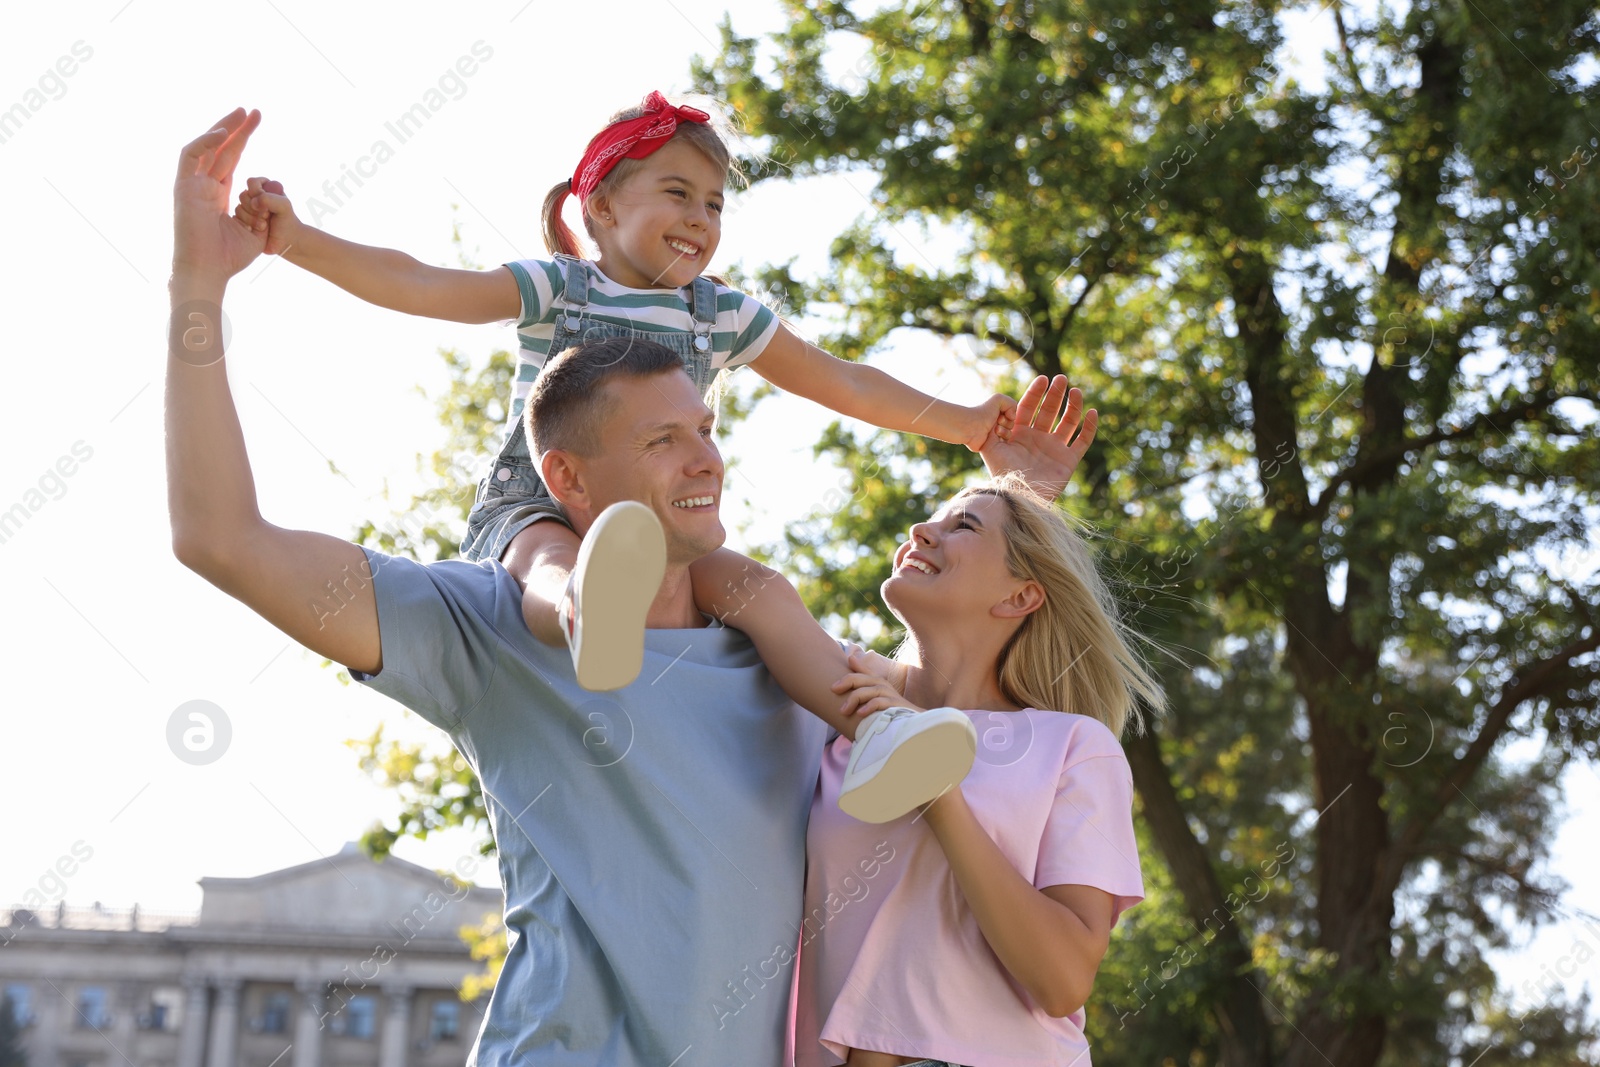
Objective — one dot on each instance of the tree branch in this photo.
(1365, 466)
(1535, 681)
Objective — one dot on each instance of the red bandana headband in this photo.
(630, 139)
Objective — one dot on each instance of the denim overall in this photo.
(512, 496)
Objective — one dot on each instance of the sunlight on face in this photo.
(953, 569)
(663, 225)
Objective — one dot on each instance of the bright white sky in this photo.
(108, 634)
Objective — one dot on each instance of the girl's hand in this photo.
(264, 208)
(890, 670)
(987, 422)
(866, 692)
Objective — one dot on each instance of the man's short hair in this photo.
(569, 400)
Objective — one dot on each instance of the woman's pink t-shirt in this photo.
(891, 955)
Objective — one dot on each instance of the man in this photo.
(651, 842)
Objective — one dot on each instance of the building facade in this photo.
(341, 962)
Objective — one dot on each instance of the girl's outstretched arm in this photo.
(803, 659)
(379, 276)
(867, 393)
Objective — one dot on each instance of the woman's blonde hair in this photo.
(705, 136)
(1074, 653)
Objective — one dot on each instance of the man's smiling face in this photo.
(656, 447)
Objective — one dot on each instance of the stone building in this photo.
(341, 962)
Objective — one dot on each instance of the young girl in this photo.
(651, 189)
(971, 933)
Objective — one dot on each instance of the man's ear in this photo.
(1026, 599)
(563, 476)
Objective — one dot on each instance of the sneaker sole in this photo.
(921, 769)
(620, 565)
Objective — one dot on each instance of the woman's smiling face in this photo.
(953, 565)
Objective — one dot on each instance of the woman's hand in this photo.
(869, 688)
(1046, 442)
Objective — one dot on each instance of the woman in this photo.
(976, 938)
(969, 932)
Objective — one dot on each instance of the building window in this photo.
(275, 1015)
(17, 996)
(162, 1014)
(445, 1022)
(360, 1015)
(92, 1013)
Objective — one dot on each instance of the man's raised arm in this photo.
(313, 587)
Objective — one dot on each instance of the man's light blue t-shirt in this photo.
(651, 841)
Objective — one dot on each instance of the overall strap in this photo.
(575, 290)
(703, 302)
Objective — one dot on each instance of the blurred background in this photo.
(1328, 271)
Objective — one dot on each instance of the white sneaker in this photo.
(621, 562)
(903, 758)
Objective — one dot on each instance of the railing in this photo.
(94, 917)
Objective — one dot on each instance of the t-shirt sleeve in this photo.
(1088, 836)
(537, 281)
(754, 326)
(439, 624)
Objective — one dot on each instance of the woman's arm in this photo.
(379, 276)
(867, 393)
(1051, 940)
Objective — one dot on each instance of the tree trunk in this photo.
(1241, 1018)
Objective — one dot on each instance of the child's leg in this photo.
(592, 596)
(541, 559)
(901, 759)
(802, 658)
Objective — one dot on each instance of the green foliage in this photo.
(437, 791)
(1342, 323)
(1342, 332)
(473, 412)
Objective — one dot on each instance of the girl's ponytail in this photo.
(558, 238)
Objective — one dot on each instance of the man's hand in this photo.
(286, 576)
(209, 245)
(1041, 449)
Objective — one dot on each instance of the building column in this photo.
(308, 1023)
(396, 1044)
(192, 1037)
(44, 1036)
(224, 1048)
(124, 1019)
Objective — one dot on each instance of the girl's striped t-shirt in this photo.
(742, 331)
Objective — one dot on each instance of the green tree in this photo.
(1342, 320)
